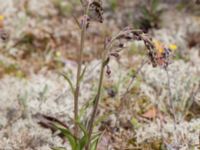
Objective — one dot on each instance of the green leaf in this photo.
(102, 118)
(145, 12)
(84, 140)
(43, 92)
(135, 123)
(155, 4)
(58, 148)
(69, 81)
(82, 74)
(73, 141)
(106, 62)
(83, 128)
(95, 141)
(113, 4)
(84, 108)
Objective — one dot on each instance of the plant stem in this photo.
(135, 75)
(96, 102)
(173, 111)
(77, 89)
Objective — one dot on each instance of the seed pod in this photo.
(121, 45)
(115, 54)
(85, 21)
(106, 61)
(4, 35)
(108, 71)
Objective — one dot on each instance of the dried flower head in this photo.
(158, 53)
(95, 11)
(163, 53)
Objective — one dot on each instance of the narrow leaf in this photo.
(58, 148)
(95, 141)
(145, 12)
(155, 4)
(106, 62)
(84, 139)
(84, 108)
(69, 81)
(70, 137)
(102, 118)
(82, 74)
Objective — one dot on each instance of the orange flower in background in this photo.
(1, 21)
(158, 46)
(1, 17)
(160, 49)
(163, 53)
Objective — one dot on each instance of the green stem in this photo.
(77, 89)
(96, 103)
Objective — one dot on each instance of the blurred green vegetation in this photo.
(113, 4)
(151, 15)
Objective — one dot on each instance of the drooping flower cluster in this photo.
(158, 53)
(95, 12)
(163, 53)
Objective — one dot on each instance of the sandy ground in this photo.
(47, 92)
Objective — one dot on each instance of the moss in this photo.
(155, 144)
(12, 69)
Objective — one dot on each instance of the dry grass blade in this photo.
(49, 123)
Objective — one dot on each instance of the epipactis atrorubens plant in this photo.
(157, 54)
